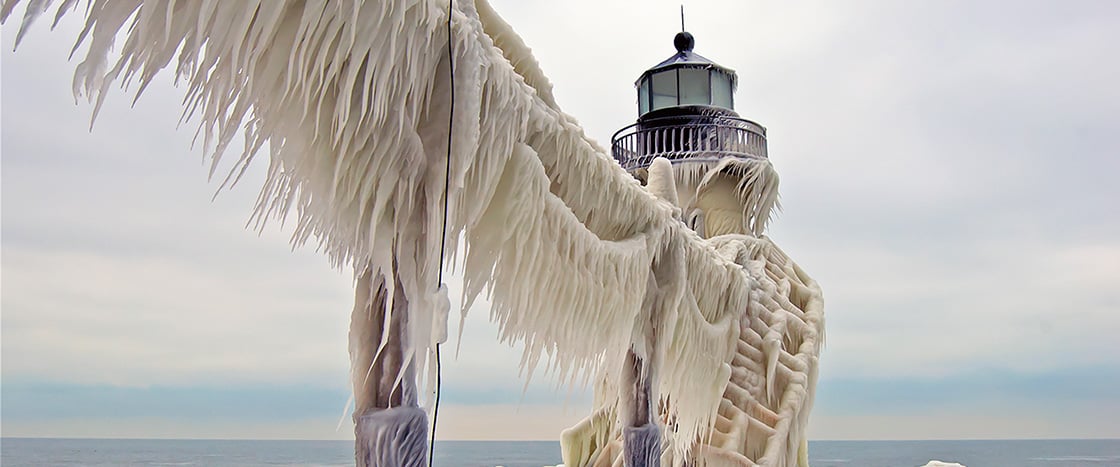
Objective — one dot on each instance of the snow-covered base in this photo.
(394, 437)
(943, 464)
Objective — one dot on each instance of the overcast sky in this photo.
(949, 175)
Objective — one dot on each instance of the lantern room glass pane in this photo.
(664, 89)
(643, 97)
(694, 86)
(661, 102)
(721, 90)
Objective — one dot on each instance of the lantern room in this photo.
(686, 113)
(686, 78)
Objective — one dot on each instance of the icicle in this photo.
(352, 100)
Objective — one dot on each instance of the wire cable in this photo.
(443, 231)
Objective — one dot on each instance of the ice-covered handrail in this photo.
(704, 140)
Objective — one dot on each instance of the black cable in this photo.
(443, 232)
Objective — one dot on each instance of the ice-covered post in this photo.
(641, 429)
(641, 432)
(390, 428)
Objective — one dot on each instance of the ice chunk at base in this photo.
(393, 437)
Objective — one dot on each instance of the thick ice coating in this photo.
(583, 265)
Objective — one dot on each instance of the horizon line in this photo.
(90, 438)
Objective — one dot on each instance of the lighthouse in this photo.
(686, 113)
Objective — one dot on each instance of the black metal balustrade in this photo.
(703, 139)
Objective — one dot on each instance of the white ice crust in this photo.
(394, 437)
(351, 100)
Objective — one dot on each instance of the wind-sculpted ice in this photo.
(768, 391)
(586, 269)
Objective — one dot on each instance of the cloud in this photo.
(978, 390)
(953, 423)
(188, 403)
(262, 411)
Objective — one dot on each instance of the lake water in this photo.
(104, 452)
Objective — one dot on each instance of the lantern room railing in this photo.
(704, 140)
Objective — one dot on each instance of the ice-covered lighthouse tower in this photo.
(751, 405)
(686, 113)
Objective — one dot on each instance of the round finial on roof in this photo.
(684, 42)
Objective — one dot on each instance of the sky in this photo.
(949, 176)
